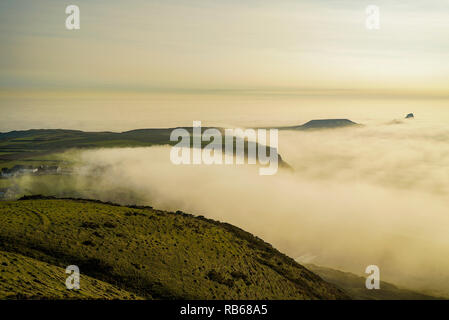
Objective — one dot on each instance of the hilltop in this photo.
(322, 124)
(40, 147)
(133, 252)
(37, 147)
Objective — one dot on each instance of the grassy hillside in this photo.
(40, 147)
(26, 278)
(354, 285)
(145, 252)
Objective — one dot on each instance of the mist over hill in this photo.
(374, 195)
(354, 286)
(36, 147)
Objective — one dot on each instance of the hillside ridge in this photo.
(155, 254)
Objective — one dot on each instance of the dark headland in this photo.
(322, 124)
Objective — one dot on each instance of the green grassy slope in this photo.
(354, 285)
(26, 278)
(152, 253)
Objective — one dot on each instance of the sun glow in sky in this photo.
(375, 193)
(269, 49)
(207, 45)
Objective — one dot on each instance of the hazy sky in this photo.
(311, 46)
(164, 63)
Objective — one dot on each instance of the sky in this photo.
(183, 45)
(142, 63)
(165, 63)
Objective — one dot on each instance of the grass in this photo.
(26, 278)
(149, 253)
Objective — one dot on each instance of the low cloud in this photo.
(359, 196)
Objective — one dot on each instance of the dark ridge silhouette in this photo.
(30, 144)
(322, 124)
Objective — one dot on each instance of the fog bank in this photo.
(358, 196)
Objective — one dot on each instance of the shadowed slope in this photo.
(156, 254)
